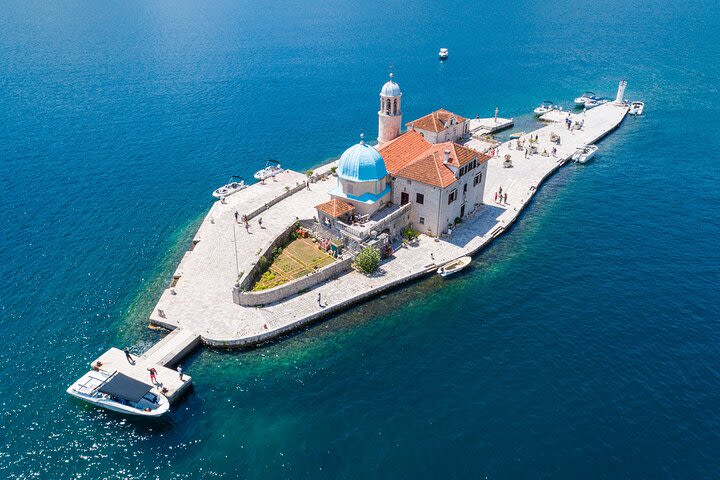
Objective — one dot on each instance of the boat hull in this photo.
(454, 267)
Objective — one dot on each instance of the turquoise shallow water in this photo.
(584, 344)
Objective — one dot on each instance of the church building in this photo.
(425, 167)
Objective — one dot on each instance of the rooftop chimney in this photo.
(447, 157)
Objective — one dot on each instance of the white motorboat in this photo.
(585, 97)
(584, 153)
(272, 168)
(636, 108)
(443, 53)
(545, 107)
(516, 135)
(454, 267)
(596, 102)
(230, 188)
(119, 393)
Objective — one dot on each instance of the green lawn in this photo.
(299, 258)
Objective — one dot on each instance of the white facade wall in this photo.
(435, 212)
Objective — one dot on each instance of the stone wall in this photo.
(281, 292)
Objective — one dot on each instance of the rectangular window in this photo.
(465, 188)
(420, 198)
(422, 220)
(478, 179)
(453, 196)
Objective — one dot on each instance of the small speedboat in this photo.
(443, 53)
(584, 153)
(545, 107)
(516, 135)
(585, 97)
(454, 267)
(120, 393)
(272, 168)
(230, 188)
(596, 102)
(636, 108)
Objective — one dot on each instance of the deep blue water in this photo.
(584, 344)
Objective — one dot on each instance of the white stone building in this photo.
(442, 180)
(440, 126)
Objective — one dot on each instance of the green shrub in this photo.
(309, 173)
(410, 234)
(367, 260)
(263, 263)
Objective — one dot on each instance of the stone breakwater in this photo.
(200, 299)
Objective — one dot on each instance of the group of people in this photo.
(571, 124)
(152, 370)
(501, 197)
(244, 219)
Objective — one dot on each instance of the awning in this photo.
(121, 386)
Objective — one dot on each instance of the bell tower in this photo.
(390, 114)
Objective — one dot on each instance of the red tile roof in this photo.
(411, 156)
(402, 150)
(435, 121)
(335, 208)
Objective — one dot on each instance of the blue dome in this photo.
(361, 163)
(390, 89)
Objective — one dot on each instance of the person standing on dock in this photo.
(319, 299)
(505, 198)
(128, 356)
(153, 372)
(260, 222)
(179, 370)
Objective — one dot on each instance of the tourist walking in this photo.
(500, 190)
(179, 370)
(153, 372)
(236, 216)
(505, 198)
(260, 222)
(496, 195)
(128, 356)
(554, 152)
(319, 299)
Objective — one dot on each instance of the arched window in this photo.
(395, 107)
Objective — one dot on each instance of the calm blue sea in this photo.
(584, 344)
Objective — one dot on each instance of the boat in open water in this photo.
(232, 187)
(453, 267)
(443, 53)
(584, 153)
(120, 393)
(272, 168)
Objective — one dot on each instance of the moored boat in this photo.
(454, 266)
(443, 53)
(636, 108)
(230, 188)
(545, 107)
(595, 102)
(584, 153)
(120, 393)
(516, 135)
(272, 168)
(585, 97)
